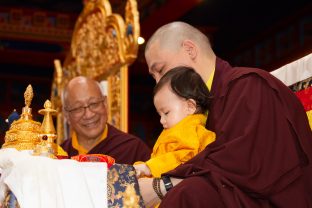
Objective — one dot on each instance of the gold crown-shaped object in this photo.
(23, 133)
(26, 134)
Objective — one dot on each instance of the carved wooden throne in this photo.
(103, 45)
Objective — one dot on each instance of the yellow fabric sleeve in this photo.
(179, 144)
(170, 160)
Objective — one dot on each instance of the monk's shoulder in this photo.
(66, 144)
(244, 76)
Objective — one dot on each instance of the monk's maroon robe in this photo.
(263, 151)
(125, 148)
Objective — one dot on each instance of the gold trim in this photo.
(124, 97)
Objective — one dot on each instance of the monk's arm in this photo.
(148, 193)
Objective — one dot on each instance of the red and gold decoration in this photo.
(298, 76)
(303, 90)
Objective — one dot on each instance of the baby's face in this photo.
(170, 107)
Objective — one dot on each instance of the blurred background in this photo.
(266, 34)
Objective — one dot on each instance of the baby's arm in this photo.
(142, 170)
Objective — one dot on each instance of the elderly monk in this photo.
(85, 109)
(262, 156)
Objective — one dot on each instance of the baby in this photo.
(181, 99)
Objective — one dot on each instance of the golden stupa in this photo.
(26, 134)
(23, 133)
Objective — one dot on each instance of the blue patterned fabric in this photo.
(119, 176)
(10, 201)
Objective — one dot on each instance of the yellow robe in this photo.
(179, 144)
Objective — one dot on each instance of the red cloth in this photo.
(95, 158)
(305, 96)
(124, 148)
(263, 150)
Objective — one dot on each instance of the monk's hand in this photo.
(142, 170)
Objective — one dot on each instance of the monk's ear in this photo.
(105, 101)
(191, 106)
(190, 48)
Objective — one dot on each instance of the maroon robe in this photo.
(262, 156)
(125, 148)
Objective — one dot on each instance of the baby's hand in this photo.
(142, 170)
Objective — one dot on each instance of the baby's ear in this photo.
(191, 106)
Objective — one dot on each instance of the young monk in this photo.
(181, 99)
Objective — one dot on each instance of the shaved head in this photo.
(75, 84)
(172, 35)
(179, 44)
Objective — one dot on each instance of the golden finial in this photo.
(130, 198)
(28, 95)
(47, 146)
(47, 126)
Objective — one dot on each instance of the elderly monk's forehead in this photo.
(77, 84)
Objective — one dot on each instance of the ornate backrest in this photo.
(103, 46)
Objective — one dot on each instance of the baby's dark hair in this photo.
(188, 84)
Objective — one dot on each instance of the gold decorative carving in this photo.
(29, 94)
(56, 99)
(103, 46)
(114, 99)
(132, 19)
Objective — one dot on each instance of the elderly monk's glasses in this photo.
(80, 111)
